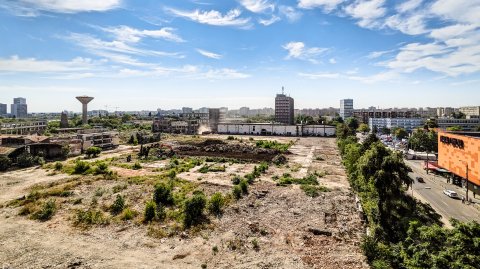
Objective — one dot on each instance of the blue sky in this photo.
(167, 54)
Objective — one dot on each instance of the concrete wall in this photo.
(276, 129)
(455, 158)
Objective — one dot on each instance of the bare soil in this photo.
(271, 227)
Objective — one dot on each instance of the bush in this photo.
(236, 180)
(230, 137)
(118, 205)
(90, 217)
(127, 214)
(237, 192)
(58, 166)
(101, 168)
(46, 212)
(93, 152)
(163, 194)
(216, 203)
(193, 210)
(313, 191)
(149, 213)
(26, 160)
(244, 186)
(5, 163)
(137, 166)
(81, 167)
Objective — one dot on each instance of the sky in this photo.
(144, 55)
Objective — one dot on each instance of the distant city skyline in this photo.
(144, 55)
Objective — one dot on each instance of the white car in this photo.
(450, 193)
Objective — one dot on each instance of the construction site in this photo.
(298, 210)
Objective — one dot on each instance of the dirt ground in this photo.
(272, 227)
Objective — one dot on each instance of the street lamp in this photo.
(466, 192)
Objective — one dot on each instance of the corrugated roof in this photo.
(8, 150)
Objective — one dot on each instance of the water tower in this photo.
(84, 100)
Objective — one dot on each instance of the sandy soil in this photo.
(282, 221)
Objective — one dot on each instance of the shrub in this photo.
(193, 209)
(26, 160)
(313, 191)
(172, 174)
(81, 167)
(237, 192)
(58, 166)
(255, 244)
(46, 212)
(118, 205)
(244, 186)
(149, 213)
(236, 180)
(137, 166)
(163, 194)
(216, 203)
(127, 214)
(5, 163)
(101, 168)
(279, 160)
(204, 169)
(161, 213)
(230, 137)
(93, 152)
(90, 217)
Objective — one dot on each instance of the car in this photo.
(451, 194)
(420, 179)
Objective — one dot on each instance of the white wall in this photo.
(276, 129)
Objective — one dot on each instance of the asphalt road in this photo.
(432, 192)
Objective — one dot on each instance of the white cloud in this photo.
(320, 75)
(71, 6)
(411, 25)
(408, 5)
(332, 61)
(453, 31)
(16, 64)
(327, 5)
(298, 50)
(213, 17)
(224, 73)
(290, 13)
(367, 12)
(209, 54)
(270, 21)
(377, 54)
(128, 34)
(464, 11)
(114, 50)
(257, 6)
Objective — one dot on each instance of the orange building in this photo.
(459, 151)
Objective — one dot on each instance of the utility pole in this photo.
(466, 193)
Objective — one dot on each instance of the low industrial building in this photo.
(98, 138)
(13, 146)
(23, 128)
(275, 129)
(467, 125)
(187, 123)
(409, 124)
(459, 153)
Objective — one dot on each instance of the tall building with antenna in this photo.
(284, 108)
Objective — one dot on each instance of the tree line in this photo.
(402, 232)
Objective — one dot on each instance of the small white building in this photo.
(275, 129)
(409, 124)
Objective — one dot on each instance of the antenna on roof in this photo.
(283, 90)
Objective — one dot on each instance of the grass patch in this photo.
(46, 211)
(90, 217)
(314, 191)
(266, 144)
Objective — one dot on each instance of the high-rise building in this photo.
(346, 108)
(19, 108)
(470, 111)
(3, 109)
(186, 110)
(284, 109)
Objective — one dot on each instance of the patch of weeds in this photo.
(236, 179)
(313, 191)
(81, 167)
(230, 137)
(128, 214)
(77, 201)
(266, 144)
(215, 250)
(46, 211)
(163, 194)
(156, 232)
(58, 166)
(137, 166)
(287, 179)
(319, 158)
(255, 244)
(296, 167)
(234, 244)
(90, 217)
(99, 192)
(149, 213)
(119, 188)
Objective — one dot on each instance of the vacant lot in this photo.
(298, 214)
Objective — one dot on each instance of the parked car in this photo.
(451, 194)
(420, 179)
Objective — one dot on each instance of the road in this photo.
(432, 192)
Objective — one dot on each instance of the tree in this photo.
(5, 163)
(93, 152)
(400, 133)
(458, 115)
(425, 141)
(385, 130)
(304, 119)
(364, 128)
(193, 209)
(352, 123)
